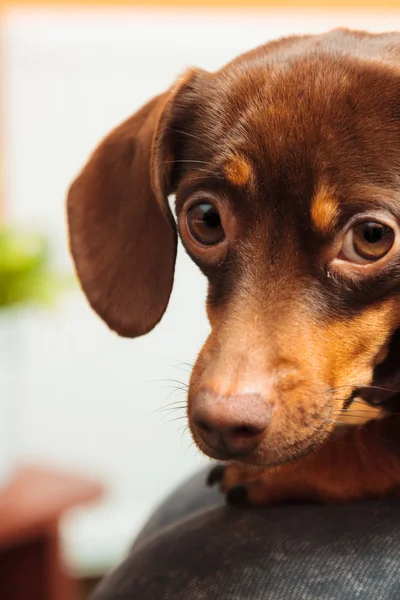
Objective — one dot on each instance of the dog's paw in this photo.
(216, 475)
(242, 486)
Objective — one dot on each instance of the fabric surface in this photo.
(195, 548)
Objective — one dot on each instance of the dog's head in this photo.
(286, 169)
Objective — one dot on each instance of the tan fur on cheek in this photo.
(352, 347)
(304, 370)
(238, 170)
(363, 413)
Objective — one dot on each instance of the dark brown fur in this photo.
(289, 140)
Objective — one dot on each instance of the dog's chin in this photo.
(269, 454)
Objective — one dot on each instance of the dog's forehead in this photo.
(327, 115)
(304, 124)
(332, 117)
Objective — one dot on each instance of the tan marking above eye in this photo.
(324, 211)
(238, 170)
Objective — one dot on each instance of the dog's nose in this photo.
(230, 425)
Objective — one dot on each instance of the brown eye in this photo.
(204, 223)
(367, 242)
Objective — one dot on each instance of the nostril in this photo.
(202, 425)
(242, 439)
(246, 431)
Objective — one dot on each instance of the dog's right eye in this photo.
(367, 245)
(367, 242)
(204, 224)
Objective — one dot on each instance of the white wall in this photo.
(89, 397)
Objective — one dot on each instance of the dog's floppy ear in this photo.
(122, 233)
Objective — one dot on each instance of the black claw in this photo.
(237, 495)
(215, 475)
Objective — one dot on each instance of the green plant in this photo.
(25, 273)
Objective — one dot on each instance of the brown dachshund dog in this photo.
(285, 165)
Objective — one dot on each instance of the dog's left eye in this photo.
(204, 224)
(367, 242)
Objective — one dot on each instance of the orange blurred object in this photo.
(30, 509)
(281, 4)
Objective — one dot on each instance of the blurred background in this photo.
(88, 445)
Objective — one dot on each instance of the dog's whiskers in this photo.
(181, 364)
(192, 135)
(190, 446)
(354, 386)
(177, 381)
(183, 429)
(171, 408)
(173, 393)
(200, 162)
(170, 413)
(172, 420)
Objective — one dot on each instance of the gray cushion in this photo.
(195, 548)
